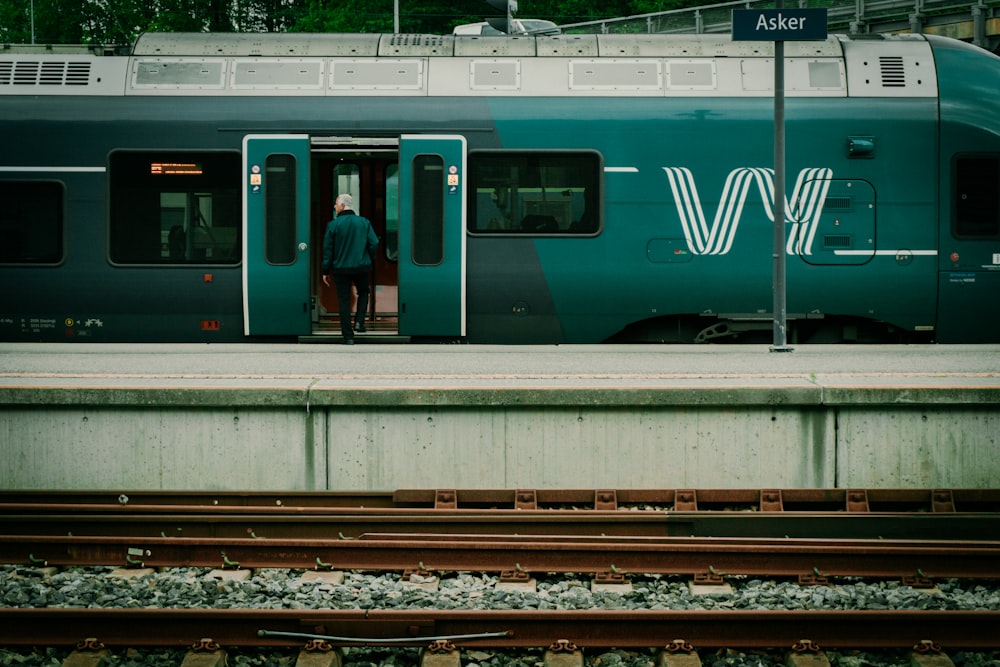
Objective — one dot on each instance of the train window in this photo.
(347, 180)
(280, 223)
(391, 243)
(537, 193)
(175, 207)
(428, 209)
(976, 181)
(31, 222)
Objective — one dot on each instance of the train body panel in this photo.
(622, 191)
(667, 271)
(969, 261)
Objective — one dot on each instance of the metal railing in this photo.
(846, 16)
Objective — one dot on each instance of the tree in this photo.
(262, 15)
(345, 16)
(575, 11)
(46, 21)
(15, 23)
(121, 21)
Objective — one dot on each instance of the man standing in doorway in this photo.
(348, 254)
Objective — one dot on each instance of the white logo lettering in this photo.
(803, 210)
(780, 22)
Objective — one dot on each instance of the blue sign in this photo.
(779, 25)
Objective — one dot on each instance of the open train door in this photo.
(276, 297)
(432, 201)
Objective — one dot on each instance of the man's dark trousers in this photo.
(343, 282)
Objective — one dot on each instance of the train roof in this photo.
(296, 64)
(390, 45)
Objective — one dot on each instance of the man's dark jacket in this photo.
(349, 244)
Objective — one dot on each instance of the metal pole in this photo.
(395, 16)
(780, 315)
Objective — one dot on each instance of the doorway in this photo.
(368, 170)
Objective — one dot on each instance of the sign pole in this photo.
(777, 25)
(780, 339)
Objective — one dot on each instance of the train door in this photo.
(969, 258)
(367, 169)
(432, 268)
(276, 293)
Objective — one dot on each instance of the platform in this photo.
(380, 417)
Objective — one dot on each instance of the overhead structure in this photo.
(509, 7)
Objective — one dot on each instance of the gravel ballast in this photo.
(284, 589)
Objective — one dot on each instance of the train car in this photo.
(526, 189)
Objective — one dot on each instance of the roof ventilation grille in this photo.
(893, 73)
(26, 72)
(77, 74)
(44, 73)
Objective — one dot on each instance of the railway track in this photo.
(810, 560)
(132, 532)
(498, 629)
(961, 514)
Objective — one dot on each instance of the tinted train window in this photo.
(534, 193)
(428, 210)
(31, 222)
(279, 208)
(391, 212)
(175, 207)
(977, 196)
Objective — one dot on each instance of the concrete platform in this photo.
(380, 417)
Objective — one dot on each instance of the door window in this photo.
(279, 208)
(391, 244)
(976, 196)
(428, 210)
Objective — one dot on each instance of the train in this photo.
(529, 189)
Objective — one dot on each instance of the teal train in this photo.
(526, 189)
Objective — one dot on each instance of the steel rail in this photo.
(540, 554)
(810, 500)
(353, 523)
(587, 629)
(961, 514)
(556, 522)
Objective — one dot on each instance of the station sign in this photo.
(779, 25)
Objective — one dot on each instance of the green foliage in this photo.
(121, 21)
(55, 21)
(372, 16)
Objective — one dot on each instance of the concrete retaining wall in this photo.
(304, 436)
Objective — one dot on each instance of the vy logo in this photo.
(802, 210)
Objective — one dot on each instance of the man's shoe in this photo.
(348, 341)
(360, 327)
